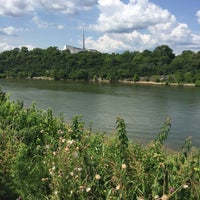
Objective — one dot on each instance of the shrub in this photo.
(43, 158)
(197, 83)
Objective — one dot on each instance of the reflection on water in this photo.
(144, 108)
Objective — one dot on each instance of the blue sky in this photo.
(110, 25)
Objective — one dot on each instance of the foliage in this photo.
(41, 157)
(61, 64)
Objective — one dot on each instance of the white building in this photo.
(73, 49)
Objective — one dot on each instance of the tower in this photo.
(83, 40)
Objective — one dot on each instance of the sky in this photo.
(110, 26)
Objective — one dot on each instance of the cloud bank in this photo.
(134, 25)
(139, 25)
(18, 7)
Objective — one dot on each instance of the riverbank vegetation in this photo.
(42, 157)
(161, 64)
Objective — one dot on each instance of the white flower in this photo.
(79, 169)
(70, 130)
(118, 187)
(70, 142)
(97, 177)
(185, 186)
(72, 173)
(56, 192)
(123, 166)
(88, 189)
(63, 140)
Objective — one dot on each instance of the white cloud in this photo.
(137, 14)
(106, 43)
(20, 8)
(68, 6)
(115, 42)
(15, 7)
(198, 16)
(40, 23)
(140, 25)
(44, 24)
(10, 30)
(5, 46)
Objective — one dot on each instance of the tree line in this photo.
(61, 64)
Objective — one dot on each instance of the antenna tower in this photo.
(83, 40)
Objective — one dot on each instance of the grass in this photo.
(42, 157)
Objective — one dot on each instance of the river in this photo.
(144, 108)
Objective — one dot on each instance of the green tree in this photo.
(188, 77)
(179, 76)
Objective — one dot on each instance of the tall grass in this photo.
(41, 157)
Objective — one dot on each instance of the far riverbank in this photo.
(157, 83)
(120, 81)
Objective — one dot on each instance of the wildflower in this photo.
(140, 198)
(54, 153)
(185, 186)
(51, 173)
(79, 169)
(56, 192)
(118, 187)
(123, 166)
(81, 187)
(43, 179)
(70, 130)
(156, 197)
(87, 189)
(63, 140)
(75, 154)
(72, 173)
(164, 197)
(42, 131)
(171, 190)
(70, 142)
(66, 149)
(97, 177)
(60, 131)
(60, 173)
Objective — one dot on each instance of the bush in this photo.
(197, 83)
(43, 158)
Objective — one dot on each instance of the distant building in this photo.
(73, 49)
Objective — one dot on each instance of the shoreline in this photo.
(99, 80)
(157, 83)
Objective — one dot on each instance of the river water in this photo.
(144, 108)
